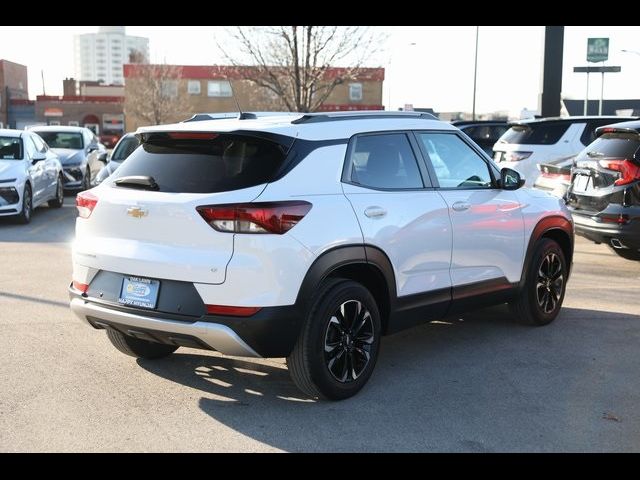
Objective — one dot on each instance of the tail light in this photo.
(516, 156)
(628, 171)
(265, 217)
(86, 202)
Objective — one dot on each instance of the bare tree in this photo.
(297, 64)
(136, 56)
(154, 95)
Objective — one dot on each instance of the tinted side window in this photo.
(455, 163)
(497, 131)
(384, 161)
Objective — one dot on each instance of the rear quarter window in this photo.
(207, 165)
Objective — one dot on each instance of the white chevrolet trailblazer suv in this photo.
(309, 236)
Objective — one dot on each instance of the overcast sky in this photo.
(425, 66)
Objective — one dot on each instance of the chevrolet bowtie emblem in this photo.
(137, 212)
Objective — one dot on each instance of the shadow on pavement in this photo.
(47, 225)
(28, 298)
(478, 383)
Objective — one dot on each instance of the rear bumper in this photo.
(628, 235)
(272, 332)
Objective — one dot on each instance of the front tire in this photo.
(59, 200)
(540, 300)
(339, 343)
(138, 348)
(24, 216)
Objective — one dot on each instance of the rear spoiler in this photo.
(614, 129)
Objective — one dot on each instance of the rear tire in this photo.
(540, 300)
(59, 200)
(627, 253)
(24, 216)
(339, 342)
(138, 348)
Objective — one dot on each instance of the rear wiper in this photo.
(595, 154)
(144, 182)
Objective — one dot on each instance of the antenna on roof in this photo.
(233, 94)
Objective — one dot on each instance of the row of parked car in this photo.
(39, 164)
(591, 162)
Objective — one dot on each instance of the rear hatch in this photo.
(604, 171)
(145, 221)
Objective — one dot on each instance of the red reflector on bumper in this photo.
(232, 311)
(82, 287)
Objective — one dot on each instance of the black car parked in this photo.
(604, 196)
(484, 132)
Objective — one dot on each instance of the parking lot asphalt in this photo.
(477, 383)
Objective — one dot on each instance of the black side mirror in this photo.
(38, 157)
(103, 157)
(510, 179)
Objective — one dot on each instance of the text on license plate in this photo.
(139, 292)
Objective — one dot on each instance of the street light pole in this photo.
(475, 76)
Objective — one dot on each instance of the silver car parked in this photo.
(30, 175)
(79, 151)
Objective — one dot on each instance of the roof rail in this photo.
(360, 114)
(198, 117)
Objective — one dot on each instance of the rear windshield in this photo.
(535, 133)
(70, 140)
(222, 163)
(612, 145)
(10, 148)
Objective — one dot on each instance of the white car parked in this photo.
(530, 142)
(308, 236)
(30, 174)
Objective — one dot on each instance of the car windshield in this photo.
(10, 148)
(125, 148)
(70, 140)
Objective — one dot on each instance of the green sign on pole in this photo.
(597, 49)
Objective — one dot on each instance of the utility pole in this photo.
(42, 75)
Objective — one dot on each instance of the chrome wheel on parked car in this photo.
(348, 340)
(550, 283)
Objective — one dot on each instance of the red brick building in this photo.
(207, 89)
(97, 107)
(13, 86)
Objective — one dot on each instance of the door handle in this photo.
(461, 206)
(375, 212)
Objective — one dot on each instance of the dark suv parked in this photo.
(604, 197)
(484, 132)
